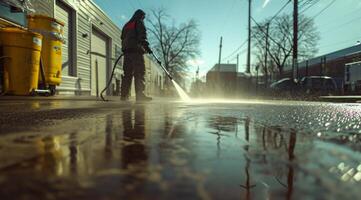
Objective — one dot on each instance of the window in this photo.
(348, 73)
(13, 16)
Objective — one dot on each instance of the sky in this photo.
(339, 25)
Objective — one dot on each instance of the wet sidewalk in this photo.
(341, 99)
(175, 150)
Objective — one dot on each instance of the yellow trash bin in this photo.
(21, 58)
(1, 69)
(52, 32)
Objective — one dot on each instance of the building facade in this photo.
(92, 44)
(331, 64)
(221, 80)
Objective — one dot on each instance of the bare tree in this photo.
(176, 44)
(281, 41)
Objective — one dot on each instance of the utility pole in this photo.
(257, 79)
(266, 55)
(218, 79)
(237, 62)
(295, 38)
(220, 55)
(197, 73)
(248, 70)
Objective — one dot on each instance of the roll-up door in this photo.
(99, 45)
(64, 14)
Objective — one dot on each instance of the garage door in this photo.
(99, 63)
(63, 13)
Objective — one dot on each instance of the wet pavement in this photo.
(175, 150)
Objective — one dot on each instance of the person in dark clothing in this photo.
(134, 46)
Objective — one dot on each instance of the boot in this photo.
(124, 98)
(143, 98)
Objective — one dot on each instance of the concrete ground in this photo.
(341, 99)
(166, 149)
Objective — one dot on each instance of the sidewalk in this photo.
(341, 99)
(77, 98)
(168, 150)
(334, 99)
(57, 97)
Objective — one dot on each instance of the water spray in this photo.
(179, 89)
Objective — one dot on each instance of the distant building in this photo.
(225, 81)
(198, 88)
(221, 80)
(244, 85)
(331, 64)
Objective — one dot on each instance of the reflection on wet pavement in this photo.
(176, 151)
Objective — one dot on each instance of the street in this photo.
(166, 149)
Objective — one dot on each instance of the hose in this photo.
(115, 66)
(111, 77)
(42, 72)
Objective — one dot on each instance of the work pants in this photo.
(133, 67)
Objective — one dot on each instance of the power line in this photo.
(245, 42)
(342, 42)
(336, 18)
(329, 30)
(235, 56)
(304, 3)
(274, 16)
(235, 51)
(282, 8)
(273, 40)
(279, 11)
(313, 3)
(333, 28)
(319, 13)
(329, 5)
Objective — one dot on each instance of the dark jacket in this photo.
(134, 34)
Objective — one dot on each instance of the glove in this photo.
(147, 49)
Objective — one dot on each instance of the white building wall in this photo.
(86, 16)
(44, 7)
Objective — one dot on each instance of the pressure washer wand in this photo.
(160, 63)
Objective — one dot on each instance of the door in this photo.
(63, 13)
(99, 46)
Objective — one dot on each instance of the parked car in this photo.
(318, 86)
(286, 87)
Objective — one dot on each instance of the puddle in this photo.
(169, 152)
